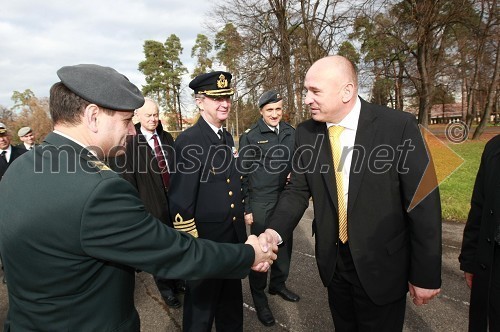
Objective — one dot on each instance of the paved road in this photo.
(446, 313)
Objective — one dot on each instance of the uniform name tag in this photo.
(262, 142)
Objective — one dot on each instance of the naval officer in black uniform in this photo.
(75, 232)
(206, 201)
(266, 151)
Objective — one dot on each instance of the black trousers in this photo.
(213, 299)
(279, 270)
(352, 309)
(494, 305)
(165, 286)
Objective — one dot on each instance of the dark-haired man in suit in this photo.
(377, 214)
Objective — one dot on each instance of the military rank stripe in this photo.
(182, 223)
(185, 228)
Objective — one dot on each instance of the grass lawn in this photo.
(456, 190)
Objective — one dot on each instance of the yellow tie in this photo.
(334, 133)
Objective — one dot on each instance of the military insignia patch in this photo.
(187, 226)
(222, 81)
(100, 165)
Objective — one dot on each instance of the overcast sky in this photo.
(39, 37)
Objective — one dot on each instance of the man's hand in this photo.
(265, 252)
(422, 295)
(248, 219)
(274, 235)
(468, 278)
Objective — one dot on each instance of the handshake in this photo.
(266, 248)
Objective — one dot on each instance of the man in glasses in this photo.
(205, 200)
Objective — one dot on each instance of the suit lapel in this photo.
(364, 141)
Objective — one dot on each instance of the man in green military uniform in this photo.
(75, 232)
(266, 151)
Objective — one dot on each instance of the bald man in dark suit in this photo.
(363, 164)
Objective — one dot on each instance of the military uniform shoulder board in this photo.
(248, 130)
(100, 165)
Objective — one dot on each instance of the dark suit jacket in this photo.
(139, 166)
(478, 244)
(70, 255)
(389, 245)
(206, 184)
(15, 153)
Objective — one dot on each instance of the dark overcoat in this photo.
(140, 167)
(478, 245)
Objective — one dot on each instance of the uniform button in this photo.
(483, 266)
(241, 177)
(232, 206)
(230, 193)
(242, 201)
(228, 181)
(491, 212)
(234, 218)
(488, 240)
(241, 189)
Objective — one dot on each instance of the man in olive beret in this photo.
(266, 150)
(27, 137)
(212, 206)
(70, 256)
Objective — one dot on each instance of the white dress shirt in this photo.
(347, 138)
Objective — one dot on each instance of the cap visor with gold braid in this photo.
(217, 83)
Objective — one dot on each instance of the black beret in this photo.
(102, 86)
(269, 97)
(216, 83)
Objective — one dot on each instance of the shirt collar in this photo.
(70, 138)
(76, 141)
(214, 128)
(147, 135)
(352, 118)
(9, 149)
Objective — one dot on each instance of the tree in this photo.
(154, 68)
(201, 51)
(228, 44)
(175, 70)
(30, 111)
(163, 70)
